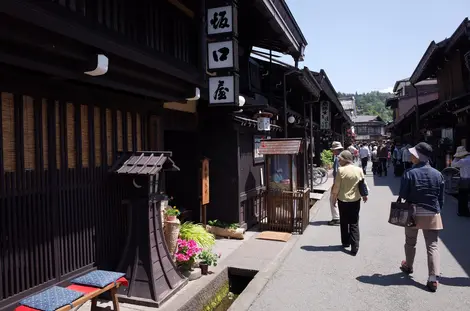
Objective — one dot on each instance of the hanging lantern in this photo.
(264, 121)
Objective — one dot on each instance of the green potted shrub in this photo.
(207, 258)
(196, 232)
(171, 213)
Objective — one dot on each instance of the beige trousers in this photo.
(431, 238)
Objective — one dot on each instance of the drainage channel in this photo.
(222, 291)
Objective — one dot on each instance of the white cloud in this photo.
(387, 90)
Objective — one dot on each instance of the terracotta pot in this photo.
(204, 268)
(170, 218)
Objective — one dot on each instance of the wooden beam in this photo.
(41, 17)
(187, 11)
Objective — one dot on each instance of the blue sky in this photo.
(367, 45)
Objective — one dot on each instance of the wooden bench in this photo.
(90, 293)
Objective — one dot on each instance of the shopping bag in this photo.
(402, 214)
(363, 188)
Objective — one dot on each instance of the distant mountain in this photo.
(372, 103)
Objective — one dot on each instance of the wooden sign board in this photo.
(205, 181)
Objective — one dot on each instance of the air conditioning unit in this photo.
(467, 60)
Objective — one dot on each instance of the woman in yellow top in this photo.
(346, 191)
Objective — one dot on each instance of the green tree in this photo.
(372, 103)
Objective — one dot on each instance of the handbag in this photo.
(363, 188)
(402, 214)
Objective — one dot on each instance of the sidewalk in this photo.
(319, 275)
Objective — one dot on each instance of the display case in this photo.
(285, 205)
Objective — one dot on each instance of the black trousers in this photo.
(364, 164)
(463, 201)
(383, 166)
(349, 223)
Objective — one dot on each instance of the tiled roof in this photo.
(348, 104)
(146, 163)
(360, 119)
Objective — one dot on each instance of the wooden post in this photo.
(205, 197)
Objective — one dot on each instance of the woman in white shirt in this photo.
(462, 161)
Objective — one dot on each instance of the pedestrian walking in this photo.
(364, 154)
(462, 161)
(348, 195)
(375, 161)
(423, 186)
(406, 157)
(383, 155)
(336, 148)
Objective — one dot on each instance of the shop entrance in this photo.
(184, 185)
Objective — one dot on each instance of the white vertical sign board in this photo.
(221, 90)
(220, 54)
(325, 122)
(219, 20)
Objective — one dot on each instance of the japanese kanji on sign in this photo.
(205, 181)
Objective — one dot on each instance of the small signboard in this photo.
(257, 157)
(222, 55)
(205, 182)
(220, 20)
(222, 90)
(325, 122)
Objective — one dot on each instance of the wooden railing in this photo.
(284, 211)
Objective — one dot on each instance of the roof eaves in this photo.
(333, 95)
(461, 31)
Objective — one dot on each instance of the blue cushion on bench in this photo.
(98, 278)
(51, 299)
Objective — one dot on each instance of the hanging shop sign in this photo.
(223, 54)
(264, 124)
(220, 20)
(325, 121)
(223, 90)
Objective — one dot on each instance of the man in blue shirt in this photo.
(336, 148)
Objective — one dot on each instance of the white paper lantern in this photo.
(264, 124)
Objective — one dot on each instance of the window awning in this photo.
(145, 163)
(280, 146)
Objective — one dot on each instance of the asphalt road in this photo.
(319, 275)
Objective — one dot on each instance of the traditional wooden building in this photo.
(369, 128)
(407, 96)
(334, 121)
(449, 62)
(81, 82)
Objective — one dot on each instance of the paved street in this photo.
(319, 275)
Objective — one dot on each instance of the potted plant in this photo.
(223, 229)
(208, 258)
(186, 253)
(171, 213)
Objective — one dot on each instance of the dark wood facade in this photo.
(61, 211)
(447, 61)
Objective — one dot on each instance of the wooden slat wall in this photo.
(157, 25)
(60, 210)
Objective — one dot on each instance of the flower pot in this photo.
(204, 268)
(170, 218)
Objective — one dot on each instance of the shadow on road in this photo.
(455, 229)
(318, 223)
(390, 280)
(388, 181)
(329, 248)
(400, 278)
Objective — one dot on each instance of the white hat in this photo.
(461, 152)
(336, 145)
